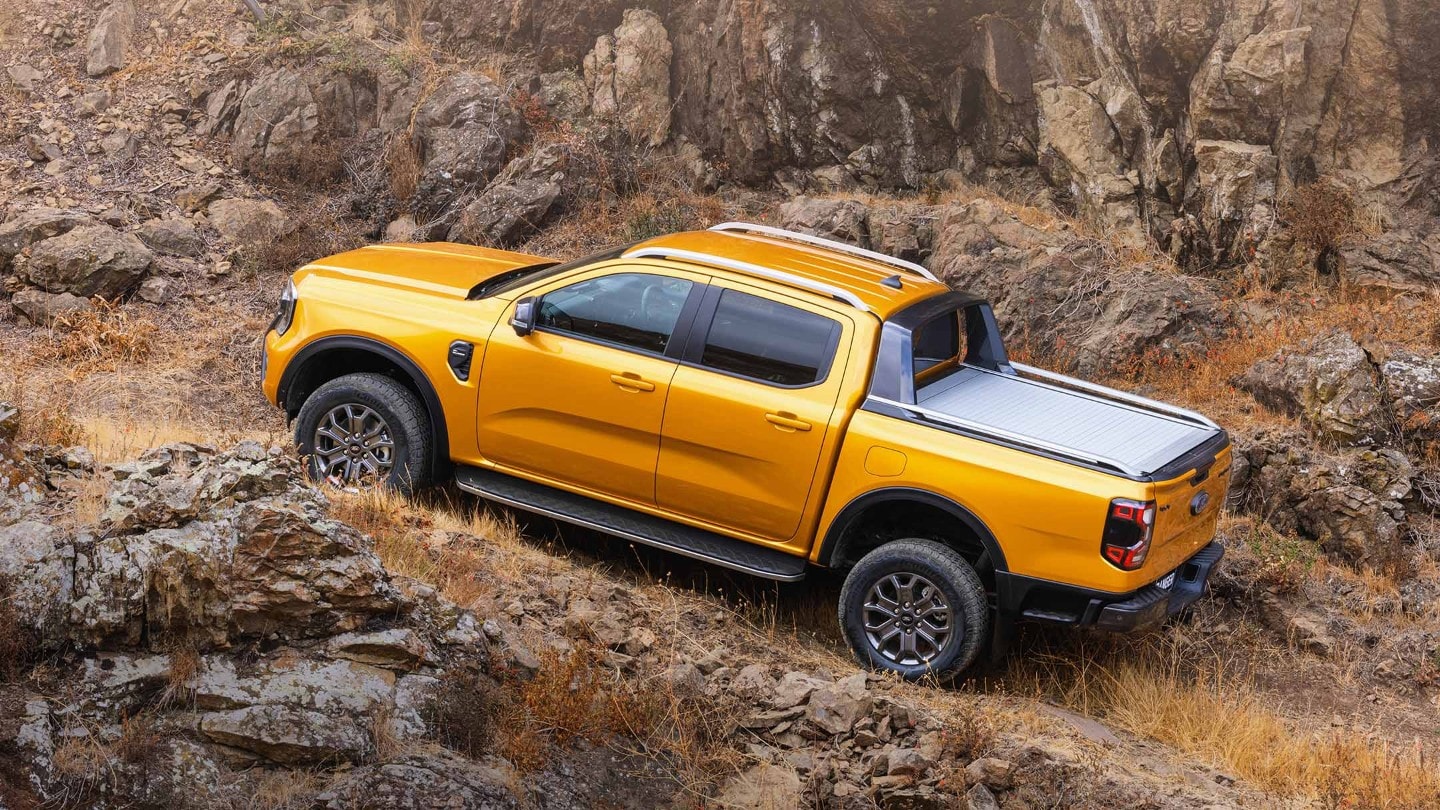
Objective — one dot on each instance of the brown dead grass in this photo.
(102, 338)
(1191, 699)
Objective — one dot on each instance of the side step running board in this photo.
(631, 525)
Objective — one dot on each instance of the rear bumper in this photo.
(1152, 605)
(1041, 600)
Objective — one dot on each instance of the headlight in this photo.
(286, 315)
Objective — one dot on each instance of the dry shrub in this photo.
(316, 167)
(317, 236)
(402, 165)
(100, 338)
(1271, 559)
(1320, 215)
(18, 645)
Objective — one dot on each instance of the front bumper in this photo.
(1153, 604)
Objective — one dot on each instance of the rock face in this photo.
(89, 260)
(1352, 503)
(1178, 121)
(37, 224)
(516, 204)
(109, 43)
(628, 76)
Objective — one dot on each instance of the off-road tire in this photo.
(402, 411)
(956, 580)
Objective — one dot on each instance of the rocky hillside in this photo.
(1230, 204)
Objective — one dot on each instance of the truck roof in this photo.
(858, 275)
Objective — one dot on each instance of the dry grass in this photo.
(102, 338)
(1173, 692)
(284, 789)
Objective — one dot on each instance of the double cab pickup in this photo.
(767, 401)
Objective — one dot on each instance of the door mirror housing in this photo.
(526, 311)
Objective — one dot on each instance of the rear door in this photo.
(749, 408)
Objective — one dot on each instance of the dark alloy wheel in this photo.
(914, 607)
(365, 430)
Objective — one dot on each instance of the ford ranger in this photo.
(767, 401)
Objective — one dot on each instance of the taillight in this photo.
(1127, 533)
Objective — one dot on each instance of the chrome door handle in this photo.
(787, 421)
(631, 382)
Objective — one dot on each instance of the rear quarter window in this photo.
(768, 341)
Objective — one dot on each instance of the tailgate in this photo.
(1181, 529)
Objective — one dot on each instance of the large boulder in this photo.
(1232, 198)
(39, 308)
(37, 224)
(172, 237)
(468, 127)
(89, 260)
(109, 42)
(628, 76)
(516, 204)
(840, 219)
(1082, 152)
(1352, 503)
(1400, 260)
(277, 122)
(249, 223)
(1412, 386)
(1331, 383)
(290, 736)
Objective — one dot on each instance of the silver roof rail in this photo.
(660, 252)
(793, 236)
(1115, 394)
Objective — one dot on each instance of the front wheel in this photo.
(365, 430)
(914, 607)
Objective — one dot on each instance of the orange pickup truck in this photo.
(767, 401)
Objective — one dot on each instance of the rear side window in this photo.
(632, 310)
(939, 343)
(768, 341)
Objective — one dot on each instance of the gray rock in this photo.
(37, 224)
(398, 648)
(628, 76)
(24, 77)
(519, 201)
(1395, 260)
(89, 260)
(288, 736)
(467, 126)
(420, 781)
(794, 689)
(907, 762)
(156, 290)
(171, 237)
(93, 103)
(1412, 384)
(333, 687)
(109, 43)
(842, 220)
(1331, 383)
(1232, 197)
(249, 223)
(990, 771)
(979, 797)
(835, 709)
(40, 308)
(277, 122)
(762, 787)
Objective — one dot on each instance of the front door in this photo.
(581, 399)
(749, 410)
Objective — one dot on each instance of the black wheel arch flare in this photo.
(857, 508)
(301, 370)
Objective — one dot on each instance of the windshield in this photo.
(520, 276)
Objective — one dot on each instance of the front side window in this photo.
(634, 310)
(768, 341)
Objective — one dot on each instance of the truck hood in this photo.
(438, 268)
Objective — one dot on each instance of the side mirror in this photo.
(526, 310)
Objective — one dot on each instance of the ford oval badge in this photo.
(1199, 502)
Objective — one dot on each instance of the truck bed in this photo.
(1097, 425)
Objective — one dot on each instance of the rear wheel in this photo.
(914, 607)
(365, 430)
